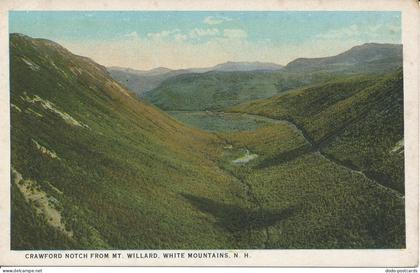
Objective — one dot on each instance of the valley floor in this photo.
(300, 196)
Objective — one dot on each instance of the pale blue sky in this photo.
(175, 39)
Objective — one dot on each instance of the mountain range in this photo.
(141, 81)
(370, 58)
(216, 90)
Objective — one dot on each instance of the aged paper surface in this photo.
(220, 211)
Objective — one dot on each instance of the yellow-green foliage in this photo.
(323, 204)
(357, 120)
(124, 175)
(269, 140)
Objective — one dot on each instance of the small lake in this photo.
(245, 158)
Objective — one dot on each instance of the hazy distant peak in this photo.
(377, 45)
(356, 55)
(246, 66)
(160, 69)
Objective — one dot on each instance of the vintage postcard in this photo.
(209, 133)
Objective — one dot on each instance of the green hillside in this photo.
(307, 200)
(357, 121)
(142, 81)
(218, 90)
(95, 168)
(121, 166)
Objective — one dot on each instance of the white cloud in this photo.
(200, 32)
(162, 34)
(341, 33)
(235, 33)
(177, 35)
(378, 32)
(180, 37)
(211, 20)
(177, 51)
(133, 35)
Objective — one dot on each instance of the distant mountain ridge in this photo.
(246, 66)
(216, 90)
(366, 54)
(151, 72)
(141, 81)
(227, 66)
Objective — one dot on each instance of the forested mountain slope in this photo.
(112, 170)
(358, 120)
